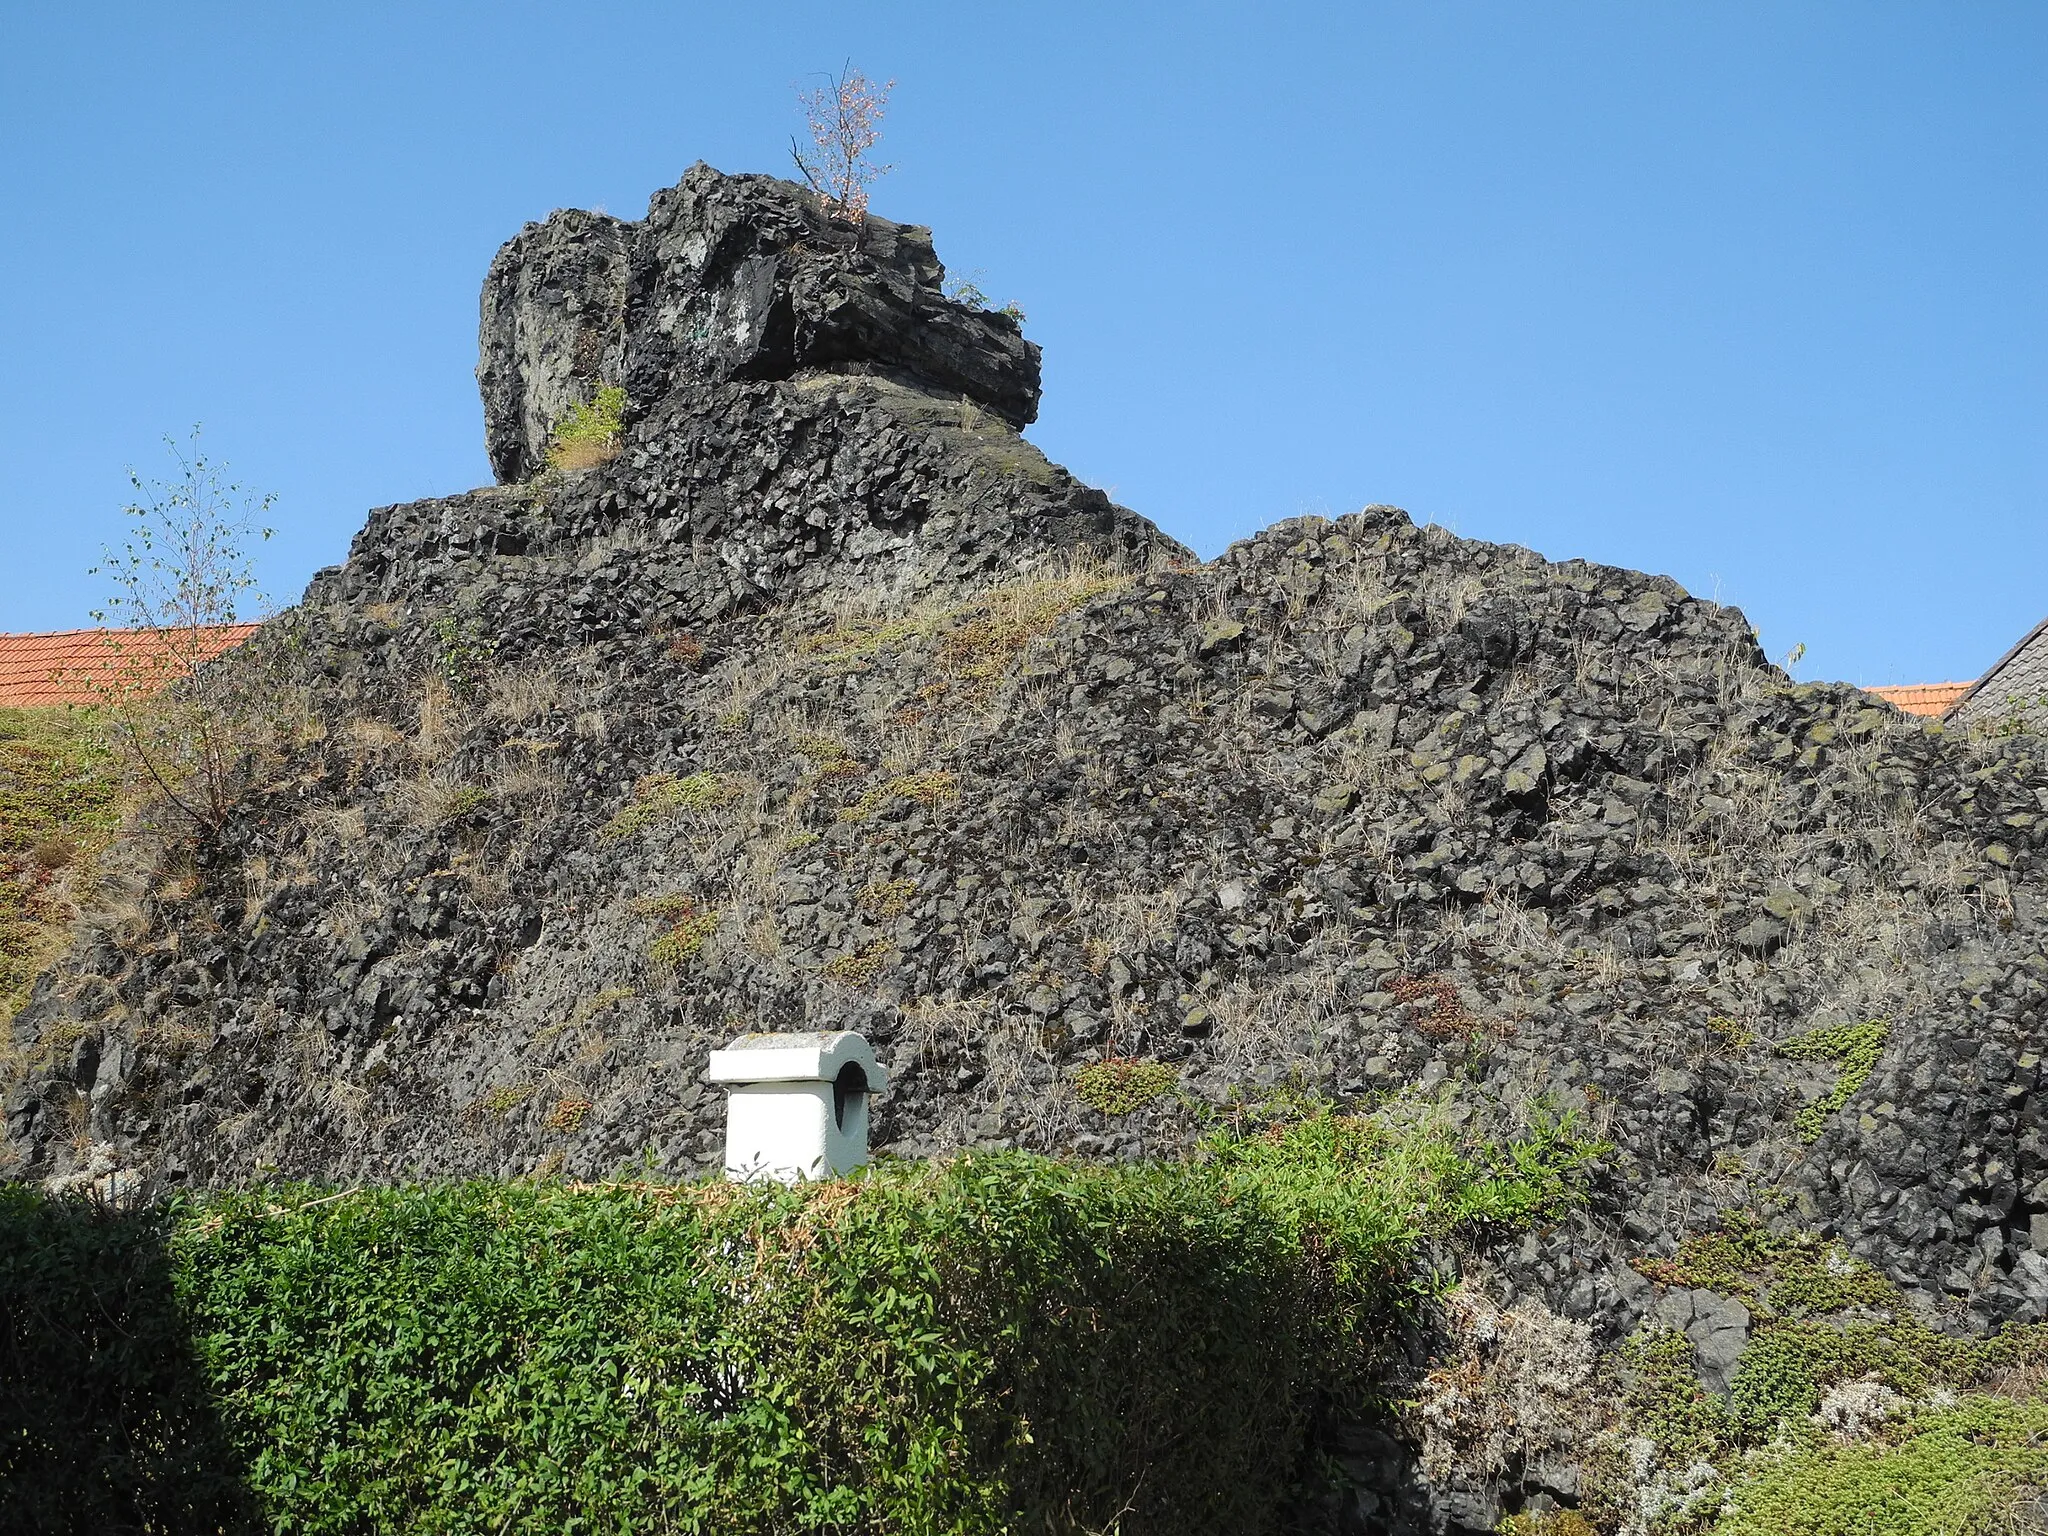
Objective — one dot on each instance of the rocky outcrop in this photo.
(553, 331)
(727, 278)
(830, 702)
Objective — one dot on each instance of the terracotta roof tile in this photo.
(1921, 698)
(80, 666)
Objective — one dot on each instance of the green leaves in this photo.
(991, 1343)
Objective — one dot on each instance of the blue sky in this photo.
(1748, 293)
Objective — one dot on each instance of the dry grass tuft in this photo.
(521, 695)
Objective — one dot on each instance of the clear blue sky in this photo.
(1748, 293)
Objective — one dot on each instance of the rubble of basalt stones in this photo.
(829, 702)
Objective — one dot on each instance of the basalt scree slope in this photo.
(829, 702)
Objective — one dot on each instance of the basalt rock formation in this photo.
(727, 278)
(829, 702)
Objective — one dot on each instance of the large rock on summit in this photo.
(727, 278)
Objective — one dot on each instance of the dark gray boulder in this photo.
(553, 329)
(728, 278)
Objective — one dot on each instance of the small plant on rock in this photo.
(689, 926)
(589, 434)
(663, 798)
(467, 650)
(569, 1114)
(888, 898)
(844, 117)
(926, 789)
(858, 967)
(1119, 1085)
(505, 1098)
(1854, 1047)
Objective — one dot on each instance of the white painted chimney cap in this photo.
(796, 1058)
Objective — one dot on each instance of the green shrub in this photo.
(505, 1098)
(1795, 1274)
(1786, 1367)
(988, 1344)
(589, 434)
(467, 650)
(108, 1417)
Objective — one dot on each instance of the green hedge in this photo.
(988, 1343)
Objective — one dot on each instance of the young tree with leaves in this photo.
(182, 582)
(844, 116)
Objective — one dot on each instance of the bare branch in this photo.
(844, 121)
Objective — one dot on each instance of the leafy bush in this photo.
(467, 650)
(107, 1420)
(180, 584)
(992, 1343)
(589, 434)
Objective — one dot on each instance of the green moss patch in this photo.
(1117, 1085)
(1953, 1472)
(688, 927)
(1855, 1048)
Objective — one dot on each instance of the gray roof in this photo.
(2016, 686)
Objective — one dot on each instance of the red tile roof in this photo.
(81, 666)
(1921, 698)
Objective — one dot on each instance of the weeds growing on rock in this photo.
(1825, 1324)
(568, 1114)
(1119, 1085)
(1855, 1048)
(858, 967)
(589, 434)
(664, 798)
(688, 928)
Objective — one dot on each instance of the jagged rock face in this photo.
(727, 278)
(553, 330)
(830, 703)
